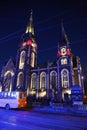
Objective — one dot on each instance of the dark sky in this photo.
(47, 15)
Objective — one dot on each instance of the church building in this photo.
(51, 81)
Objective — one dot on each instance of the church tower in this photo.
(26, 57)
(65, 71)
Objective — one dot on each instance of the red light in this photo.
(29, 42)
(59, 53)
(68, 52)
(24, 44)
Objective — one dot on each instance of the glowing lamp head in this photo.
(29, 42)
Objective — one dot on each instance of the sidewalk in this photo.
(61, 110)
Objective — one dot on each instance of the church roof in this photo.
(10, 63)
(8, 66)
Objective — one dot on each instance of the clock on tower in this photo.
(63, 51)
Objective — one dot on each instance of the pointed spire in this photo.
(30, 28)
(64, 38)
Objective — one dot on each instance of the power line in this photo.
(42, 29)
(49, 19)
(12, 35)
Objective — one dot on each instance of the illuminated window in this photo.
(0, 88)
(53, 79)
(22, 60)
(32, 59)
(33, 81)
(43, 80)
(7, 81)
(63, 61)
(65, 78)
(20, 79)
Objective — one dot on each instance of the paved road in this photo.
(31, 120)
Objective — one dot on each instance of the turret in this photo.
(26, 57)
(63, 47)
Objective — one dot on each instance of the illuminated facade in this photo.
(52, 81)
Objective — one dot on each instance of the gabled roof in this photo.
(10, 63)
(9, 66)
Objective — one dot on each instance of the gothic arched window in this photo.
(42, 80)
(8, 80)
(32, 59)
(53, 79)
(20, 79)
(22, 60)
(0, 87)
(63, 61)
(65, 78)
(33, 81)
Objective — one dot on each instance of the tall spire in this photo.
(30, 27)
(64, 40)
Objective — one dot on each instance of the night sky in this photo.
(47, 15)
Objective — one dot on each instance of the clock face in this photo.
(63, 51)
